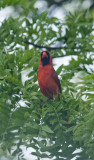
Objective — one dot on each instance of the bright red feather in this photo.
(47, 78)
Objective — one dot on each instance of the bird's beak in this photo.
(44, 55)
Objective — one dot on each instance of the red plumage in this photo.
(47, 78)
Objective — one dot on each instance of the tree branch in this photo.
(40, 46)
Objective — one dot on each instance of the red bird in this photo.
(47, 78)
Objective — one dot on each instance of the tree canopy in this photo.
(54, 129)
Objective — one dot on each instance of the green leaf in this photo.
(47, 129)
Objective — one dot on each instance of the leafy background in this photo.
(54, 129)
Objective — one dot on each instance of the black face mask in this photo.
(45, 60)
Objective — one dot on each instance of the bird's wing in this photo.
(55, 77)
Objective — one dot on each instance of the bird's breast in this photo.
(44, 75)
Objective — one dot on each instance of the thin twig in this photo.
(40, 46)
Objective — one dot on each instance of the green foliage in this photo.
(54, 129)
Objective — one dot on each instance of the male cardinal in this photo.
(47, 78)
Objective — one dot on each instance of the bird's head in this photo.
(45, 58)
